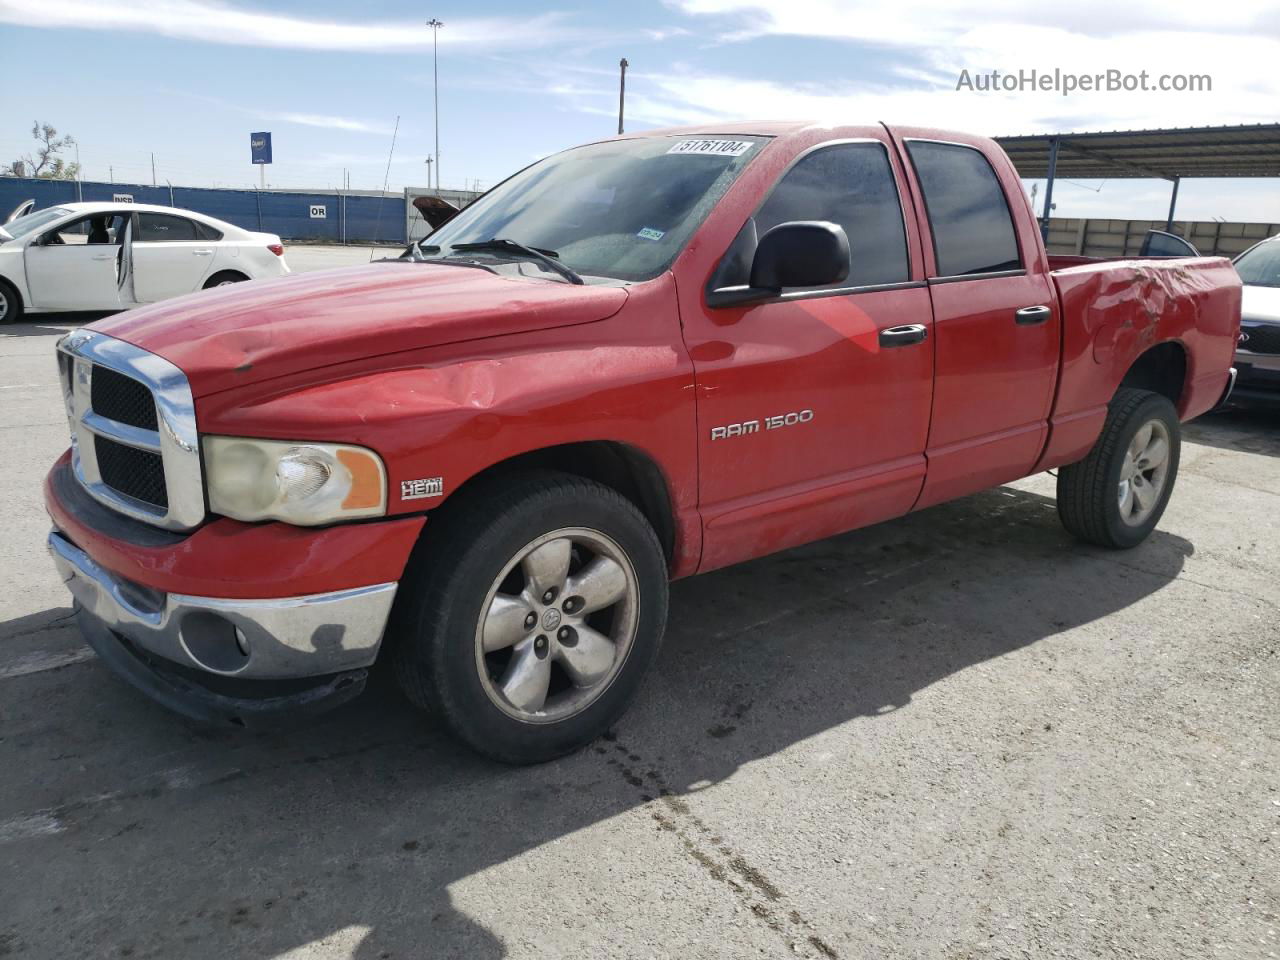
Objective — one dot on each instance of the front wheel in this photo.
(530, 614)
(1116, 495)
(10, 303)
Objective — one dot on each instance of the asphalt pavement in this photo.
(956, 735)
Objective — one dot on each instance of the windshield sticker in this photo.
(648, 233)
(718, 148)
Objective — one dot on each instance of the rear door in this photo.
(996, 319)
(813, 408)
(170, 257)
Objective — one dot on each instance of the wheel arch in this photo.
(209, 281)
(1161, 369)
(627, 469)
(16, 292)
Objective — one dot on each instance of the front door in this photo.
(77, 266)
(169, 258)
(813, 409)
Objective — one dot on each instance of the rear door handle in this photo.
(903, 336)
(203, 253)
(104, 256)
(1031, 315)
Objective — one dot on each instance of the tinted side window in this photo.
(850, 184)
(207, 233)
(972, 227)
(160, 227)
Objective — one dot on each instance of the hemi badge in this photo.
(420, 489)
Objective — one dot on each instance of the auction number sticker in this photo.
(716, 148)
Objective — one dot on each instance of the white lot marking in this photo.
(40, 661)
(25, 386)
(29, 827)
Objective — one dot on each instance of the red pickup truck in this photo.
(632, 361)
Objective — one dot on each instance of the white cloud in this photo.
(213, 22)
(334, 123)
(1236, 44)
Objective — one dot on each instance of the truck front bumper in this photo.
(231, 621)
(176, 648)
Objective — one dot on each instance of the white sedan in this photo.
(113, 256)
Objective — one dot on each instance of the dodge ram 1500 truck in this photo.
(630, 362)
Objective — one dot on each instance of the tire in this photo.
(10, 303)
(224, 278)
(473, 564)
(1100, 498)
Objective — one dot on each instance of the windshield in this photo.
(34, 221)
(1260, 267)
(621, 210)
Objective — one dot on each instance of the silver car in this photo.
(1258, 355)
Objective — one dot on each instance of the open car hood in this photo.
(251, 332)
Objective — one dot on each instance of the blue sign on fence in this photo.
(260, 147)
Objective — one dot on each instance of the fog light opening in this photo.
(214, 643)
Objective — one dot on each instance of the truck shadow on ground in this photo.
(159, 838)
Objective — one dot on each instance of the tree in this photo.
(46, 163)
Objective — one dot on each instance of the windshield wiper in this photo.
(544, 257)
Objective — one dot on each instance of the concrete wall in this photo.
(1119, 238)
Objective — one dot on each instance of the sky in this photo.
(188, 80)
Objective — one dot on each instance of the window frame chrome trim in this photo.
(176, 441)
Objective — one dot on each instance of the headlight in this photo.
(302, 483)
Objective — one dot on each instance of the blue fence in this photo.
(367, 219)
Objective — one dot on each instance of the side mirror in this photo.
(801, 253)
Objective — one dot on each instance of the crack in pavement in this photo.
(673, 815)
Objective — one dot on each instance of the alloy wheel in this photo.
(557, 625)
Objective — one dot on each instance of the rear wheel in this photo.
(10, 303)
(224, 278)
(1116, 495)
(530, 614)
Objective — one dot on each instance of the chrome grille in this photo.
(134, 445)
(135, 473)
(123, 399)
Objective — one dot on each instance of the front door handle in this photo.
(1028, 316)
(903, 336)
(104, 256)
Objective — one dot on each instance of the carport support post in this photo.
(1048, 189)
(1173, 202)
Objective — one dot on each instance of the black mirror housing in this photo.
(801, 253)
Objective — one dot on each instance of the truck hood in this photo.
(1260, 304)
(251, 332)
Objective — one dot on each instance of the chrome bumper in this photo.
(286, 638)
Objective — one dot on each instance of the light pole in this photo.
(622, 89)
(429, 162)
(435, 26)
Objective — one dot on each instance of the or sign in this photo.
(260, 147)
(317, 211)
(122, 198)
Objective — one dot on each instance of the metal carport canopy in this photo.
(1243, 150)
